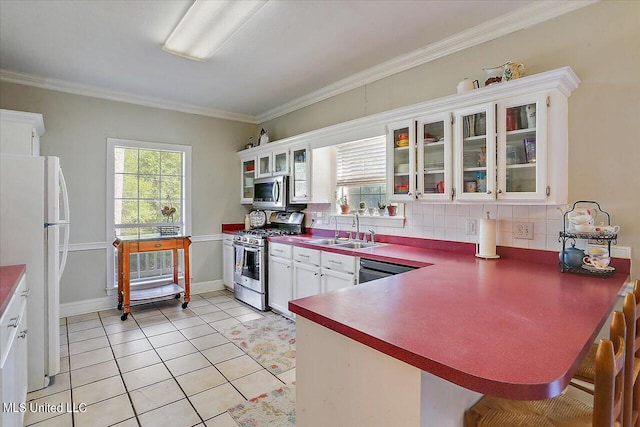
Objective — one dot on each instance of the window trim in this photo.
(109, 222)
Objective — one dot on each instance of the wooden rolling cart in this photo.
(127, 246)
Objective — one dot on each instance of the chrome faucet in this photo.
(356, 218)
(373, 235)
(336, 233)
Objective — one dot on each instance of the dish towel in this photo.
(239, 259)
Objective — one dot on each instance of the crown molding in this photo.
(112, 95)
(526, 17)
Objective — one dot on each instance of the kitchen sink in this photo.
(324, 242)
(357, 245)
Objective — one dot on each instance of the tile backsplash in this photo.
(448, 222)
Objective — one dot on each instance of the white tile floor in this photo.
(162, 366)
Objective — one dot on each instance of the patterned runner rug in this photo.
(271, 341)
(276, 408)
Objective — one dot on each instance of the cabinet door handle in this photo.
(25, 293)
(488, 191)
(288, 266)
(23, 334)
(303, 255)
(315, 274)
(499, 191)
(158, 245)
(16, 321)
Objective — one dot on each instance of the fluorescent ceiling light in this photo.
(207, 25)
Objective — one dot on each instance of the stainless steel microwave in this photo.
(272, 194)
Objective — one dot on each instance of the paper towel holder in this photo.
(487, 239)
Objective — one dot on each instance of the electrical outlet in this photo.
(471, 227)
(523, 230)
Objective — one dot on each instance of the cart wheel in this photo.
(184, 304)
(124, 316)
(119, 306)
(177, 296)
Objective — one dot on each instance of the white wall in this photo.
(600, 43)
(77, 128)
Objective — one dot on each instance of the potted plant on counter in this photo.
(393, 209)
(362, 208)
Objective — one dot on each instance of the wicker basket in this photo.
(169, 230)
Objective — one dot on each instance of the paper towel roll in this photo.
(487, 238)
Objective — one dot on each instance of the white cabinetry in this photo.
(273, 163)
(401, 161)
(280, 278)
(20, 132)
(13, 356)
(247, 175)
(306, 272)
(228, 261)
(508, 143)
(475, 153)
(337, 271)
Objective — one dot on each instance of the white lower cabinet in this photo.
(280, 278)
(337, 271)
(334, 280)
(13, 357)
(306, 280)
(228, 261)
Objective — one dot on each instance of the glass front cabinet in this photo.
(248, 168)
(299, 182)
(475, 153)
(434, 150)
(273, 163)
(522, 148)
(401, 161)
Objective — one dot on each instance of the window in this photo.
(361, 172)
(148, 190)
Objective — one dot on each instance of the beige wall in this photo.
(77, 128)
(601, 43)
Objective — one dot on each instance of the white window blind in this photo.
(362, 162)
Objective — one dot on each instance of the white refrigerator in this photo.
(34, 230)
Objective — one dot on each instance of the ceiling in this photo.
(290, 54)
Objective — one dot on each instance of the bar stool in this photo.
(563, 410)
(585, 373)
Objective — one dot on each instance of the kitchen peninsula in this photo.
(419, 348)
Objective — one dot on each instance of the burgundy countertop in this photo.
(508, 327)
(9, 278)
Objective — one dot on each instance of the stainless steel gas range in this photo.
(250, 275)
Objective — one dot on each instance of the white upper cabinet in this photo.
(20, 132)
(401, 161)
(475, 153)
(273, 163)
(247, 175)
(434, 163)
(522, 148)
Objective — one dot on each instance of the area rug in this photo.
(270, 341)
(276, 408)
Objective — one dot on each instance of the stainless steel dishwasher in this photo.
(372, 270)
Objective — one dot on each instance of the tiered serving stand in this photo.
(599, 238)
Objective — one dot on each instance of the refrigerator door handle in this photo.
(64, 223)
(65, 197)
(65, 250)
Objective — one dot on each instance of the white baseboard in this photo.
(109, 302)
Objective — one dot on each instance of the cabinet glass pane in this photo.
(264, 165)
(280, 162)
(474, 153)
(248, 171)
(300, 173)
(433, 174)
(521, 149)
(401, 149)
